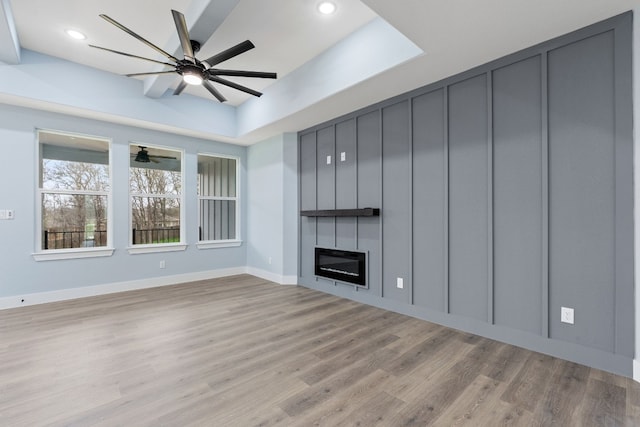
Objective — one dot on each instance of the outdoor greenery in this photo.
(74, 197)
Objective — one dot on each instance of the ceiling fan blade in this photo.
(240, 73)
(235, 86)
(213, 91)
(230, 53)
(132, 56)
(183, 33)
(153, 156)
(151, 73)
(142, 39)
(181, 86)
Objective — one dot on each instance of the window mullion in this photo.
(74, 192)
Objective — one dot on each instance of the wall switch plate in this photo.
(566, 315)
(400, 283)
(343, 156)
(162, 264)
(328, 160)
(7, 214)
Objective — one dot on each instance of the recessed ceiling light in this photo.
(74, 34)
(327, 7)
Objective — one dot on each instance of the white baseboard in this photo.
(273, 277)
(109, 288)
(636, 370)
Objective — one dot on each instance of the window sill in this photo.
(58, 254)
(149, 249)
(219, 244)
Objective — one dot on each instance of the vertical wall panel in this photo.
(326, 183)
(624, 286)
(396, 218)
(346, 182)
(346, 169)
(468, 193)
(429, 229)
(582, 190)
(307, 173)
(517, 195)
(369, 184)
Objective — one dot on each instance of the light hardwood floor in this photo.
(241, 351)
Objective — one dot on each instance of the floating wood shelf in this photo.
(343, 212)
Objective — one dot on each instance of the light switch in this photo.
(343, 156)
(7, 214)
(328, 160)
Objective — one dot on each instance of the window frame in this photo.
(226, 243)
(41, 254)
(157, 247)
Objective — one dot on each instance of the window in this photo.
(218, 201)
(74, 194)
(155, 182)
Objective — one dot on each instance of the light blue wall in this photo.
(90, 91)
(272, 209)
(20, 274)
(290, 211)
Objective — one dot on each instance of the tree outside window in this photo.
(74, 191)
(155, 182)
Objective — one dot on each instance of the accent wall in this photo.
(506, 194)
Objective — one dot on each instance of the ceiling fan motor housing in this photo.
(185, 67)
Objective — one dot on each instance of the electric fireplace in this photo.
(344, 266)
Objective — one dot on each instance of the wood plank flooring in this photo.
(241, 351)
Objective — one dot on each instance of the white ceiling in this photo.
(269, 24)
(455, 35)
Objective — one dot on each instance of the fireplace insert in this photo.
(344, 266)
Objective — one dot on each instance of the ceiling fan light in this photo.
(192, 78)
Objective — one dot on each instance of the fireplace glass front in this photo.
(344, 266)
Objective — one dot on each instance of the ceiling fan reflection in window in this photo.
(192, 70)
(143, 156)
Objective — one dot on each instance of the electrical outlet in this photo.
(328, 160)
(343, 156)
(566, 315)
(400, 283)
(162, 264)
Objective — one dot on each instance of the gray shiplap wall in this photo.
(505, 194)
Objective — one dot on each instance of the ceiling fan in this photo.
(143, 156)
(192, 70)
